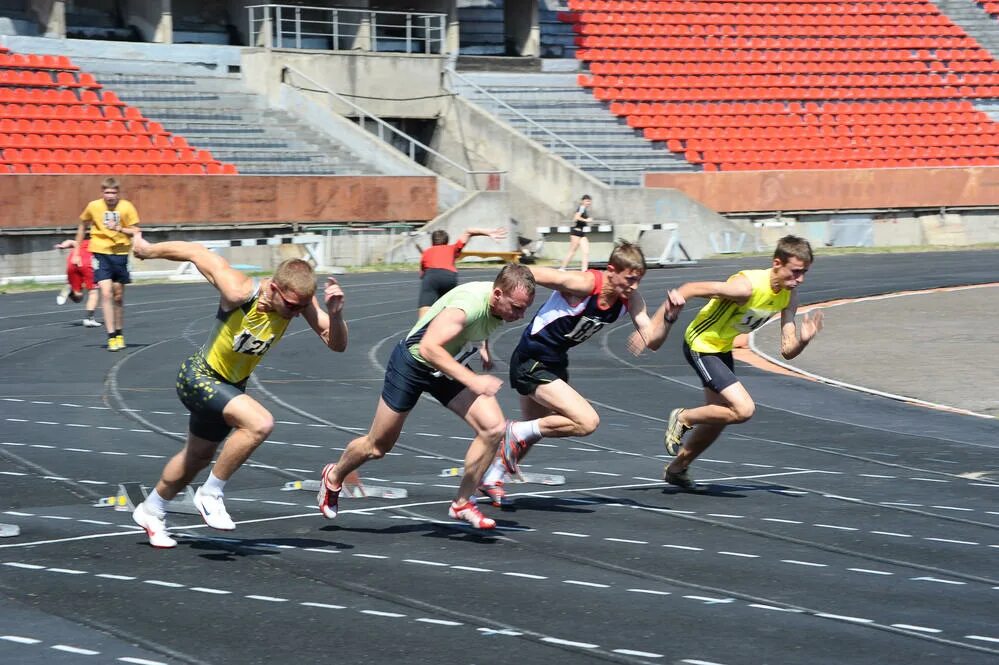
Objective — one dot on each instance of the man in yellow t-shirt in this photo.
(112, 221)
(740, 305)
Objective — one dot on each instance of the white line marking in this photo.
(527, 575)
(775, 519)
(325, 606)
(581, 583)
(921, 629)
(269, 599)
(370, 556)
(77, 650)
(202, 589)
(892, 533)
(67, 571)
(748, 556)
(109, 576)
(685, 547)
(394, 615)
(949, 540)
(569, 643)
(19, 639)
(870, 572)
(841, 617)
(171, 585)
(27, 566)
(983, 638)
(569, 533)
(737, 517)
(630, 542)
(691, 661)
(140, 661)
(425, 563)
(968, 510)
(651, 591)
(440, 622)
(937, 579)
(833, 526)
(473, 569)
(773, 608)
(804, 563)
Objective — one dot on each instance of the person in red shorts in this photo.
(80, 277)
(438, 273)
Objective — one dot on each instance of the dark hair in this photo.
(514, 275)
(439, 237)
(627, 256)
(585, 197)
(799, 248)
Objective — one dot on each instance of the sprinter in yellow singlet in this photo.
(251, 318)
(740, 305)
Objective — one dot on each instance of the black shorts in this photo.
(578, 231)
(716, 370)
(526, 373)
(435, 283)
(406, 379)
(205, 394)
(113, 267)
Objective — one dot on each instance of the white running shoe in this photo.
(213, 510)
(63, 296)
(467, 511)
(155, 526)
(91, 323)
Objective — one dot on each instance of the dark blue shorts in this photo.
(205, 394)
(716, 370)
(113, 267)
(406, 379)
(435, 283)
(527, 373)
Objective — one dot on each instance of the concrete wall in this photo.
(372, 78)
(132, 55)
(746, 191)
(41, 201)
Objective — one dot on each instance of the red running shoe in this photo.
(328, 498)
(467, 511)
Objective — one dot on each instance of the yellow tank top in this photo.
(719, 322)
(241, 337)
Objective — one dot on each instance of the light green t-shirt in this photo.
(473, 299)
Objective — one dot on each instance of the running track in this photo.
(838, 526)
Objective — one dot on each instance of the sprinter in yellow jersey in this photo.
(740, 305)
(251, 318)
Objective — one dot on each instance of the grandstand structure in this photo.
(704, 115)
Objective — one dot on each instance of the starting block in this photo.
(525, 477)
(131, 495)
(9, 530)
(354, 490)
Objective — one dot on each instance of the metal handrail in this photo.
(279, 15)
(576, 150)
(491, 183)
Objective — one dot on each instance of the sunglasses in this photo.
(292, 305)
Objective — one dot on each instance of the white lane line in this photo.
(840, 617)
(708, 600)
(325, 606)
(892, 533)
(269, 599)
(140, 661)
(742, 554)
(685, 547)
(67, 571)
(938, 580)
(775, 519)
(969, 510)
(833, 526)
(983, 638)
(804, 563)
(921, 629)
(625, 540)
(692, 661)
(20, 640)
(870, 572)
(527, 575)
(591, 584)
(569, 643)
(440, 622)
(426, 563)
(570, 534)
(169, 585)
(737, 517)
(202, 589)
(651, 591)
(377, 613)
(760, 606)
(76, 650)
(875, 475)
(640, 654)
(109, 576)
(28, 566)
(473, 569)
(370, 556)
(950, 540)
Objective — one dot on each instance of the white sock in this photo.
(156, 504)
(494, 473)
(214, 485)
(528, 431)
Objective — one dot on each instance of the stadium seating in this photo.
(760, 84)
(56, 119)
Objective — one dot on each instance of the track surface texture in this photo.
(837, 526)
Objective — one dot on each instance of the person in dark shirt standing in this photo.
(577, 235)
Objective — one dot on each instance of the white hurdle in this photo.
(673, 249)
(311, 243)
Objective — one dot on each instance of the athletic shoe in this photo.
(213, 510)
(467, 511)
(511, 449)
(63, 296)
(673, 439)
(154, 525)
(328, 498)
(121, 342)
(681, 479)
(113, 344)
(496, 494)
(91, 323)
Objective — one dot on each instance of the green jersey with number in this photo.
(716, 326)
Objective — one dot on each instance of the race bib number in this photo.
(585, 328)
(246, 342)
(752, 320)
(112, 220)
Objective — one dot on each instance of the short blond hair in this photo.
(296, 276)
(514, 276)
(627, 256)
(110, 183)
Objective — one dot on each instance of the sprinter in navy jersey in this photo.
(582, 303)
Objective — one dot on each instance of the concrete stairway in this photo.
(558, 104)
(216, 113)
(974, 20)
